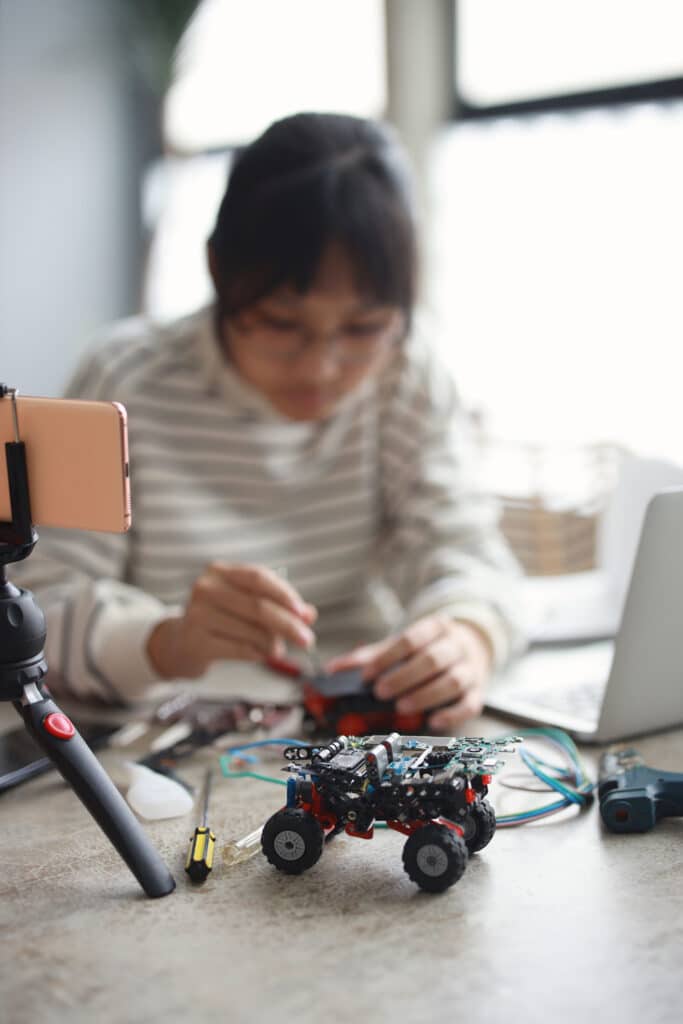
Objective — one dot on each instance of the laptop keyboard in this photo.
(570, 681)
(582, 700)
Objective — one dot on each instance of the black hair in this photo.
(310, 180)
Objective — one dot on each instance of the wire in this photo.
(569, 780)
(232, 753)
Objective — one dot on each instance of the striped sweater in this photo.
(375, 512)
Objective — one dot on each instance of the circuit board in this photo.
(409, 755)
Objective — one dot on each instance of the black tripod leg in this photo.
(75, 760)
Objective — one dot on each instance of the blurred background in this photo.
(547, 141)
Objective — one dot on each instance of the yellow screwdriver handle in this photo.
(200, 855)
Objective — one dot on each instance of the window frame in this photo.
(655, 90)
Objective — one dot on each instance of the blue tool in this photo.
(633, 797)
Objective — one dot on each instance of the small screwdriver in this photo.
(312, 654)
(202, 844)
(314, 660)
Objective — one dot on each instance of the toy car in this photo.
(432, 789)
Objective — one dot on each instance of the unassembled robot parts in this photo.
(431, 789)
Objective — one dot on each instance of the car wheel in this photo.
(292, 840)
(435, 857)
(479, 826)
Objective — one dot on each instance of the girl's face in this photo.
(306, 352)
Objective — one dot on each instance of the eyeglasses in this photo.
(285, 341)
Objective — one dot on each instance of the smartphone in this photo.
(77, 462)
(21, 758)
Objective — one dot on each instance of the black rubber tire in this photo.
(280, 844)
(479, 826)
(435, 857)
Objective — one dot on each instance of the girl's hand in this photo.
(437, 662)
(235, 612)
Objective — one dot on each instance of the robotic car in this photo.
(432, 789)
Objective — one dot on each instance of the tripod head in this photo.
(22, 623)
(22, 639)
(22, 669)
(18, 537)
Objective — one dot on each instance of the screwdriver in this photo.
(202, 844)
(312, 654)
(314, 660)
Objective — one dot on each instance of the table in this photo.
(556, 921)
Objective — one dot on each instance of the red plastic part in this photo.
(316, 705)
(352, 724)
(406, 827)
(487, 779)
(349, 829)
(447, 823)
(317, 808)
(470, 795)
(58, 725)
(405, 722)
(284, 666)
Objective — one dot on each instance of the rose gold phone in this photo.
(77, 462)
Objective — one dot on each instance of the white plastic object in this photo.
(237, 850)
(128, 733)
(154, 796)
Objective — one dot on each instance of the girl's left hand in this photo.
(436, 663)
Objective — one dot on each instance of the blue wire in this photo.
(551, 782)
(231, 752)
(281, 741)
(579, 794)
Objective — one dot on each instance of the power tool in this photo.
(633, 797)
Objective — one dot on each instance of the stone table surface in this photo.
(556, 921)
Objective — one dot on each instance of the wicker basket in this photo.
(551, 498)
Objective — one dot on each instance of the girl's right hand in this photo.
(235, 612)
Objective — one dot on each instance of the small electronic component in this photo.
(432, 789)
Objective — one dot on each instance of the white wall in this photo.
(67, 203)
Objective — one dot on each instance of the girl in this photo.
(301, 422)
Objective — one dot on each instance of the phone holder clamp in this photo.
(22, 669)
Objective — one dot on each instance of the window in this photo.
(240, 66)
(554, 258)
(243, 64)
(532, 54)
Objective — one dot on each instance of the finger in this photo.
(208, 619)
(356, 658)
(260, 581)
(219, 648)
(311, 613)
(251, 608)
(447, 720)
(419, 669)
(409, 642)
(445, 689)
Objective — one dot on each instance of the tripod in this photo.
(22, 668)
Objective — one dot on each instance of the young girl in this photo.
(302, 424)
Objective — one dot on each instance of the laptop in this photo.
(604, 690)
